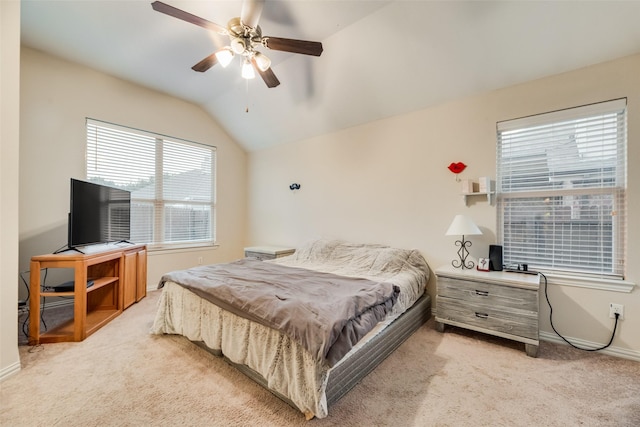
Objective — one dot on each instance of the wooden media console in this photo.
(119, 278)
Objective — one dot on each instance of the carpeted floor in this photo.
(123, 376)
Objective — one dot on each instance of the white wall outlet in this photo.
(616, 308)
(200, 260)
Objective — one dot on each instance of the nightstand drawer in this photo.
(507, 321)
(489, 294)
(260, 255)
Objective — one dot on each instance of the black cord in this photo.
(25, 330)
(615, 326)
(26, 301)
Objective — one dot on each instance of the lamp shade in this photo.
(462, 226)
(224, 56)
(247, 70)
(262, 61)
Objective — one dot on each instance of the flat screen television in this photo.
(98, 214)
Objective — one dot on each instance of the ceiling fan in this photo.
(245, 35)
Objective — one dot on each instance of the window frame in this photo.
(159, 201)
(609, 281)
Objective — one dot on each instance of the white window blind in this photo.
(172, 182)
(561, 183)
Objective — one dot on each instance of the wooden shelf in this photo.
(115, 272)
(97, 284)
(100, 282)
(94, 321)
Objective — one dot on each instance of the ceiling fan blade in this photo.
(291, 45)
(158, 6)
(251, 11)
(268, 76)
(206, 63)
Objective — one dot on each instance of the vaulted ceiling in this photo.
(380, 59)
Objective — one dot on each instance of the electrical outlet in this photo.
(616, 308)
(200, 261)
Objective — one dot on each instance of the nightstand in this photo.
(499, 303)
(267, 252)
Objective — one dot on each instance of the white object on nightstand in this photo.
(499, 303)
(267, 252)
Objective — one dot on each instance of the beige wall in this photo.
(388, 182)
(9, 143)
(56, 96)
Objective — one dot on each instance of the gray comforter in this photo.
(324, 312)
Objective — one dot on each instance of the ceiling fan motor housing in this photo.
(243, 38)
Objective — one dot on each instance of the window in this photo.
(172, 182)
(561, 183)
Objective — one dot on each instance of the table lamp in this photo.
(461, 226)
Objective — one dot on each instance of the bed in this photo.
(308, 368)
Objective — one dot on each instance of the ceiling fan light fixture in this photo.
(224, 56)
(238, 45)
(245, 35)
(262, 61)
(247, 70)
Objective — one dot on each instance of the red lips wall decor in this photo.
(457, 168)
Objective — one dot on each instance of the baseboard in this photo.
(10, 371)
(611, 351)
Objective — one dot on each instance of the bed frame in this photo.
(347, 374)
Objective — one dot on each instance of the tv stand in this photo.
(119, 279)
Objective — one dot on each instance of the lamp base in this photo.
(463, 253)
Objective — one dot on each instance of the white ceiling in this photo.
(380, 59)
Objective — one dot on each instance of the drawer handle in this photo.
(482, 293)
(482, 315)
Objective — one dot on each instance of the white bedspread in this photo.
(287, 366)
(405, 268)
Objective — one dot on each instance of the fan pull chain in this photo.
(247, 87)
